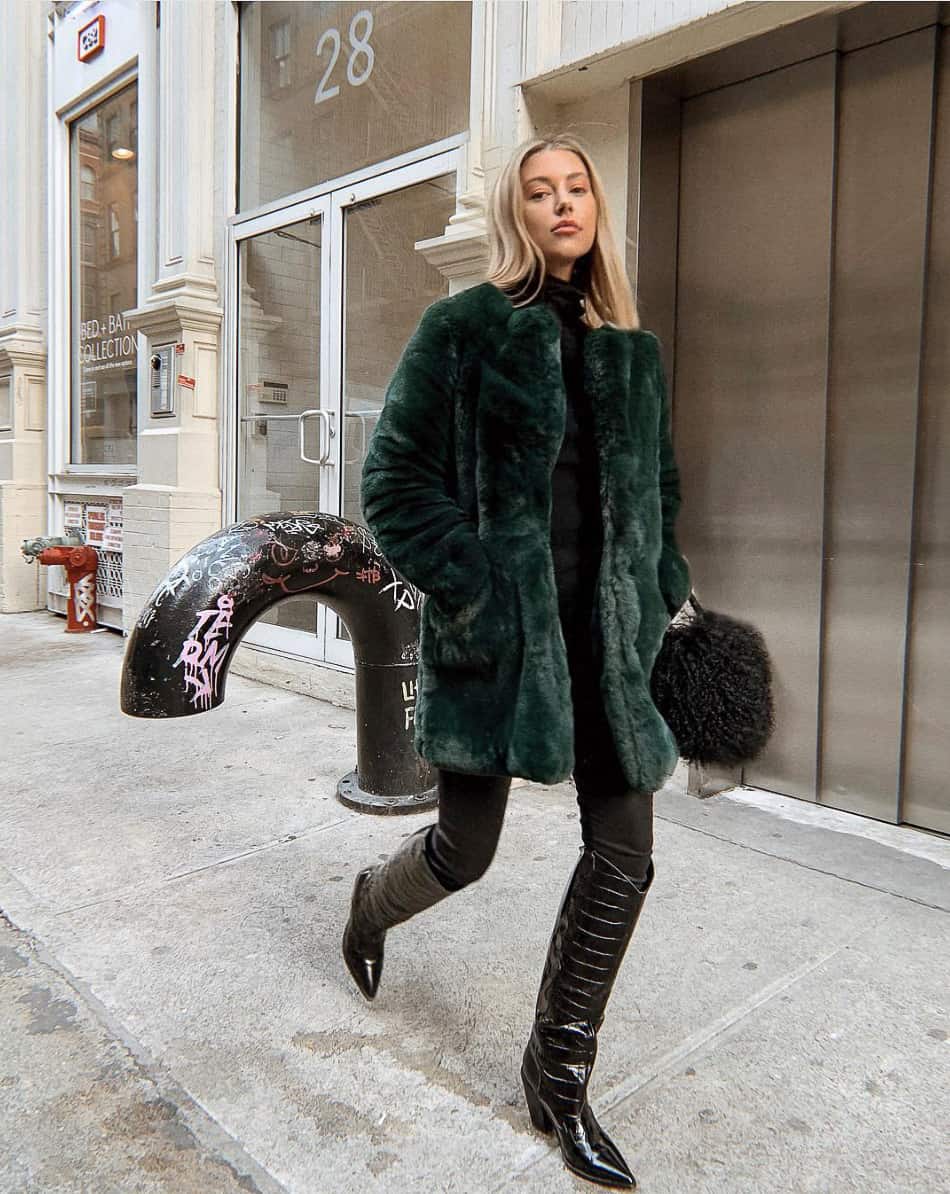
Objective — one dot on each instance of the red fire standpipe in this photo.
(81, 564)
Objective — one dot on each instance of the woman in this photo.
(521, 474)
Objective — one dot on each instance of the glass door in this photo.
(284, 421)
(385, 285)
(327, 293)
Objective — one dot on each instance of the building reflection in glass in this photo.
(104, 181)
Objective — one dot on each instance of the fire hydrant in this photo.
(81, 564)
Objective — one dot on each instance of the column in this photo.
(177, 499)
(23, 475)
(496, 120)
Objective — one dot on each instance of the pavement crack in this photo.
(226, 860)
(897, 895)
(278, 841)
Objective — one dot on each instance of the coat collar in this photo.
(526, 337)
(522, 401)
(521, 348)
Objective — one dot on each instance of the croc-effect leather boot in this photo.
(383, 896)
(595, 922)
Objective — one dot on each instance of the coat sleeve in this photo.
(672, 568)
(421, 530)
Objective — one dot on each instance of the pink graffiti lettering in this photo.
(204, 651)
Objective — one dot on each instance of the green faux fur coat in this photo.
(456, 489)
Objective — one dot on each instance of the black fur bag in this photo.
(712, 683)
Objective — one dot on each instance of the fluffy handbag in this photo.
(712, 684)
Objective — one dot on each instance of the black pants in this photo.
(616, 820)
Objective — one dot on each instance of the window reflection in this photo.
(388, 285)
(279, 354)
(104, 169)
(327, 88)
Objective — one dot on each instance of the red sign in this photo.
(95, 524)
(92, 39)
(187, 382)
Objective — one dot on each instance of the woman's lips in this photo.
(567, 228)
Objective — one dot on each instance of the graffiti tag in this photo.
(85, 595)
(404, 596)
(204, 651)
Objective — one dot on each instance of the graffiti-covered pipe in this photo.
(178, 655)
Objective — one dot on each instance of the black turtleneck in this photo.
(576, 520)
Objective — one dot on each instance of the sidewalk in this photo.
(176, 1016)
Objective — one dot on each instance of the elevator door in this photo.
(810, 404)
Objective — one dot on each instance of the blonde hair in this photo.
(514, 257)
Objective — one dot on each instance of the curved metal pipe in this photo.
(178, 654)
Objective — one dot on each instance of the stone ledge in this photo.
(328, 684)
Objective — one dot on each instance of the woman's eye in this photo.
(541, 194)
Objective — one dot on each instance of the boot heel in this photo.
(539, 1117)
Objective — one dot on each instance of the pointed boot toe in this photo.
(599, 1168)
(600, 1159)
(384, 896)
(586, 1149)
(362, 951)
(366, 972)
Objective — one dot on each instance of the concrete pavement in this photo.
(176, 1015)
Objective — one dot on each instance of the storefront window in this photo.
(328, 88)
(104, 172)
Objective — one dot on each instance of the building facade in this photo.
(224, 220)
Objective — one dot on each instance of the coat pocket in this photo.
(472, 637)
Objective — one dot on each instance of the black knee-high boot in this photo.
(383, 896)
(595, 922)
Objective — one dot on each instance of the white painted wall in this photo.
(592, 26)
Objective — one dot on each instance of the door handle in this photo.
(301, 426)
(362, 416)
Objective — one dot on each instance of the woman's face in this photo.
(555, 187)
